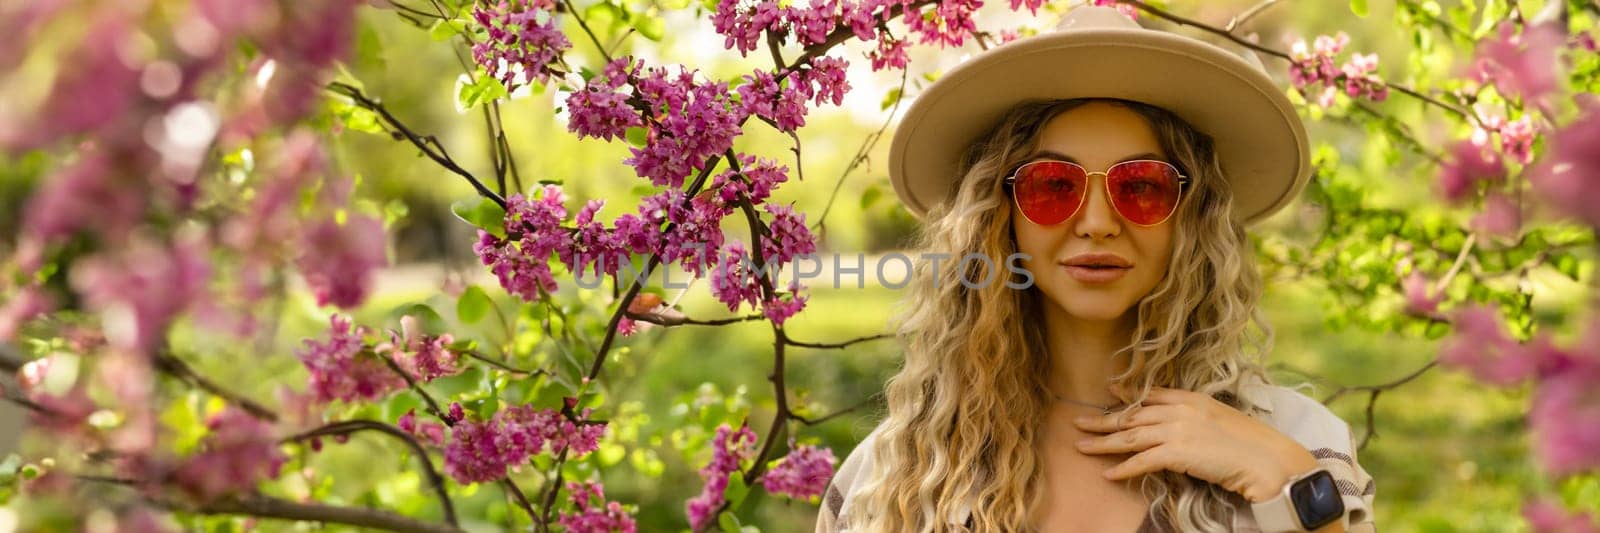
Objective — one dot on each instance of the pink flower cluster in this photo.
(239, 452)
(1470, 161)
(343, 369)
(745, 23)
(340, 259)
(1547, 516)
(430, 432)
(481, 451)
(728, 449)
(590, 517)
(151, 282)
(1521, 64)
(533, 233)
(1356, 77)
(1565, 417)
(823, 80)
(523, 40)
(689, 121)
(803, 474)
(1130, 10)
(598, 110)
(426, 357)
(1568, 176)
(346, 368)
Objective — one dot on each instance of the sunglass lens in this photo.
(1145, 192)
(1049, 191)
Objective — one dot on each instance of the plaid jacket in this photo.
(1302, 418)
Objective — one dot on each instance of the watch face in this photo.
(1316, 499)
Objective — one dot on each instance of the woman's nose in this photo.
(1098, 219)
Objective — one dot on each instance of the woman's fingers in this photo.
(1126, 441)
(1149, 461)
(1139, 416)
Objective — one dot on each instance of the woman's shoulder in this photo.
(1302, 417)
(857, 464)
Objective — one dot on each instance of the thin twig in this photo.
(825, 345)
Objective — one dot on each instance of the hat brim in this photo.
(1260, 139)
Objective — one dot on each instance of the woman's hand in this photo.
(1192, 433)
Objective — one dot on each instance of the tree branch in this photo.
(352, 426)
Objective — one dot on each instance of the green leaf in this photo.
(443, 30)
(473, 305)
(637, 136)
(736, 491)
(431, 322)
(890, 99)
(650, 27)
(1359, 7)
(728, 522)
(482, 213)
(869, 196)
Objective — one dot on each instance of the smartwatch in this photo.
(1307, 502)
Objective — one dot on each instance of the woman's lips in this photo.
(1096, 274)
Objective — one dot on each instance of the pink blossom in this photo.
(86, 194)
(95, 96)
(425, 357)
(430, 432)
(23, 305)
(826, 80)
(1523, 65)
(743, 23)
(533, 234)
(1468, 164)
(1499, 217)
(1418, 299)
(1568, 175)
(803, 474)
(1516, 138)
(19, 23)
(239, 452)
(890, 53)
(736, 279)
(789, 237)
(593, 246)
(64, 414)
(947, 23)
(523, 38)
(728, 449)
(482, 451)
(142, 288)
(593, 513)
(598, 110)
(1481, 345)
(691, 122)
(1546, 515)
(761, 96)
(1565, 417)
(1129, 10)
(343, 368)
(1314, 68)
(340, 260)
(696, 234)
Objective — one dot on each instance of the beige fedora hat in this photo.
(1098, 52)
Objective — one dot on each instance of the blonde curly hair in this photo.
(963, 410)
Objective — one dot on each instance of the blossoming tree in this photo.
(175, 177)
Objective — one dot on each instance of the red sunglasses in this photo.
(1143, 191)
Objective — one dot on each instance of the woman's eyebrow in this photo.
(1064, 157)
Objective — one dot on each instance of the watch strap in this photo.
(1278, 515)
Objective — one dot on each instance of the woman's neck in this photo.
(1081, 363)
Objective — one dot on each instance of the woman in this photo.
(1111, 391)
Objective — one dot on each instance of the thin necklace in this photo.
(1105, 410)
